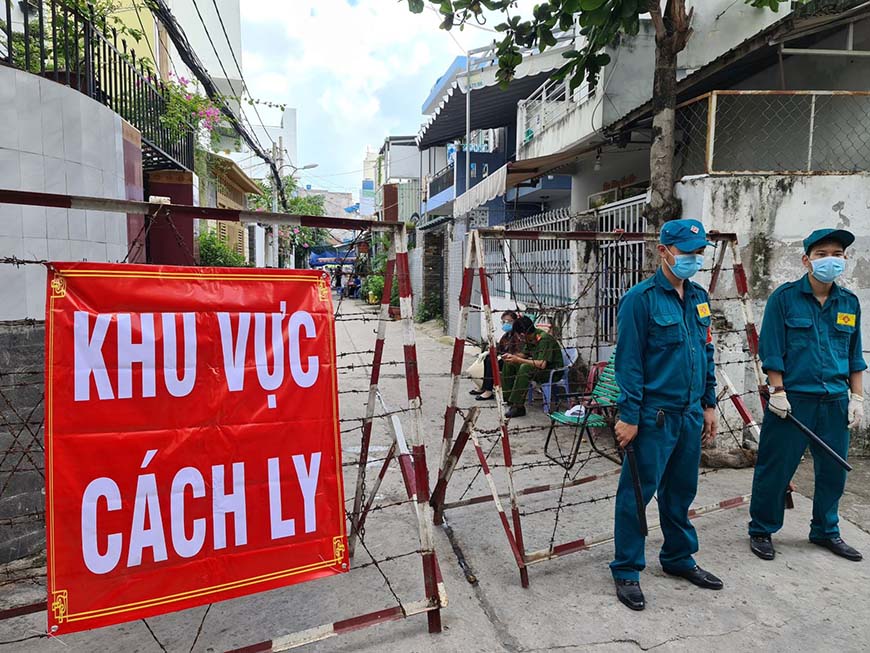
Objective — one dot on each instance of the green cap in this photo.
(845, 238)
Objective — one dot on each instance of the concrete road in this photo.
(805, 600)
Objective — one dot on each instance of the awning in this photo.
(491, 106)
(514, 173)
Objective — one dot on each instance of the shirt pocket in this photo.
(665, 330)
(799, 332)
(704, 327)
(840, 337)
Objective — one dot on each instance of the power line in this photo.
(239, 68)
(226, 74)
(162, 12)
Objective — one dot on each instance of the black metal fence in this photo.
(70, 45)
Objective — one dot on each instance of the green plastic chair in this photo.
(600, 413)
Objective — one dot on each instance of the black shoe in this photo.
(515, 411)
(762, 546)
(839, 547)
(480, 397)
(699, 577)
(474, 393)
(628, 592)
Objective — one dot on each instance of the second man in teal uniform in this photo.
(810, 347)
(665, 371)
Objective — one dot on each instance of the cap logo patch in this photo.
(694, 229)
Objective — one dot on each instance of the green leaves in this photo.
(602, 22)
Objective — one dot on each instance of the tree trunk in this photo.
(663, 205)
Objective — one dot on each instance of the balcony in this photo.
(774, 132)
(548, 107)
(60, 42)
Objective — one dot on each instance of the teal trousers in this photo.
(779, 454)
(668, 457)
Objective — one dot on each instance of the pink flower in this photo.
(305, 245)
(296, 230)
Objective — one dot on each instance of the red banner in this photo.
(192, 441)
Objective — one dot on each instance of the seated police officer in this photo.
(810, 347)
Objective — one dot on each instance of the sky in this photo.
(356, 71)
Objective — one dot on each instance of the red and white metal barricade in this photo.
(408, 450)
(453, 444)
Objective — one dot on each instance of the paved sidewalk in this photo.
(805, 600)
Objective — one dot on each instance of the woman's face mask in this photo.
(507, 327)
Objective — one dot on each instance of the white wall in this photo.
(771, 216)
(55, 140)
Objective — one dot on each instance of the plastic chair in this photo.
(569, 357)
(600, 413)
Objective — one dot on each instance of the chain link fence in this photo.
(788, 132)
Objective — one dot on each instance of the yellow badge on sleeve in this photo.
(704, 310)
(846, 319)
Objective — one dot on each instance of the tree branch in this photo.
(655, 12)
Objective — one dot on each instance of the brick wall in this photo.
(22, 496)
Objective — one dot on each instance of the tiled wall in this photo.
(53, 139)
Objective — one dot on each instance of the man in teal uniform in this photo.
(667, 404)
(540, 356)
(810, 347)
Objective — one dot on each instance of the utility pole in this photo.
(280, 164)
(276, 158)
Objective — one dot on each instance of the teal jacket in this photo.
(664, 349)
(814, 347)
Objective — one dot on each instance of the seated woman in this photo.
(507, 344)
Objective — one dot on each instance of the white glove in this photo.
(856, 409)
(779, 406)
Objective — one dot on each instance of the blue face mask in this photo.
(507, 327)
(686, 266)
(829, 268)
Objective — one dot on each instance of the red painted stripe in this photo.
(376, 360)
(456, 361)
(570, 547)
(752, 337)
(22, 610)
(355, 623)
(404, 278)
(422, 473)
(740, 279)
(407, 466)
(412, 376)
(740, 405)
(386, 295)
(506, 446)
(254, 648)
(484, 287)
(27, 198)
(430, 577)
(731, 503)
(465, 292)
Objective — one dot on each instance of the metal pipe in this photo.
(827, 53)
(467, 121)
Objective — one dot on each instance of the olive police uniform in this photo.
(517, 377)
(665, 371)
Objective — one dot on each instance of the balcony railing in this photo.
(774, 132)
(60, 42)
(549, 104)
(442, 180)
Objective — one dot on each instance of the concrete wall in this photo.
(55, 140)
(615, 164)
(771, 216)
(415, 267)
